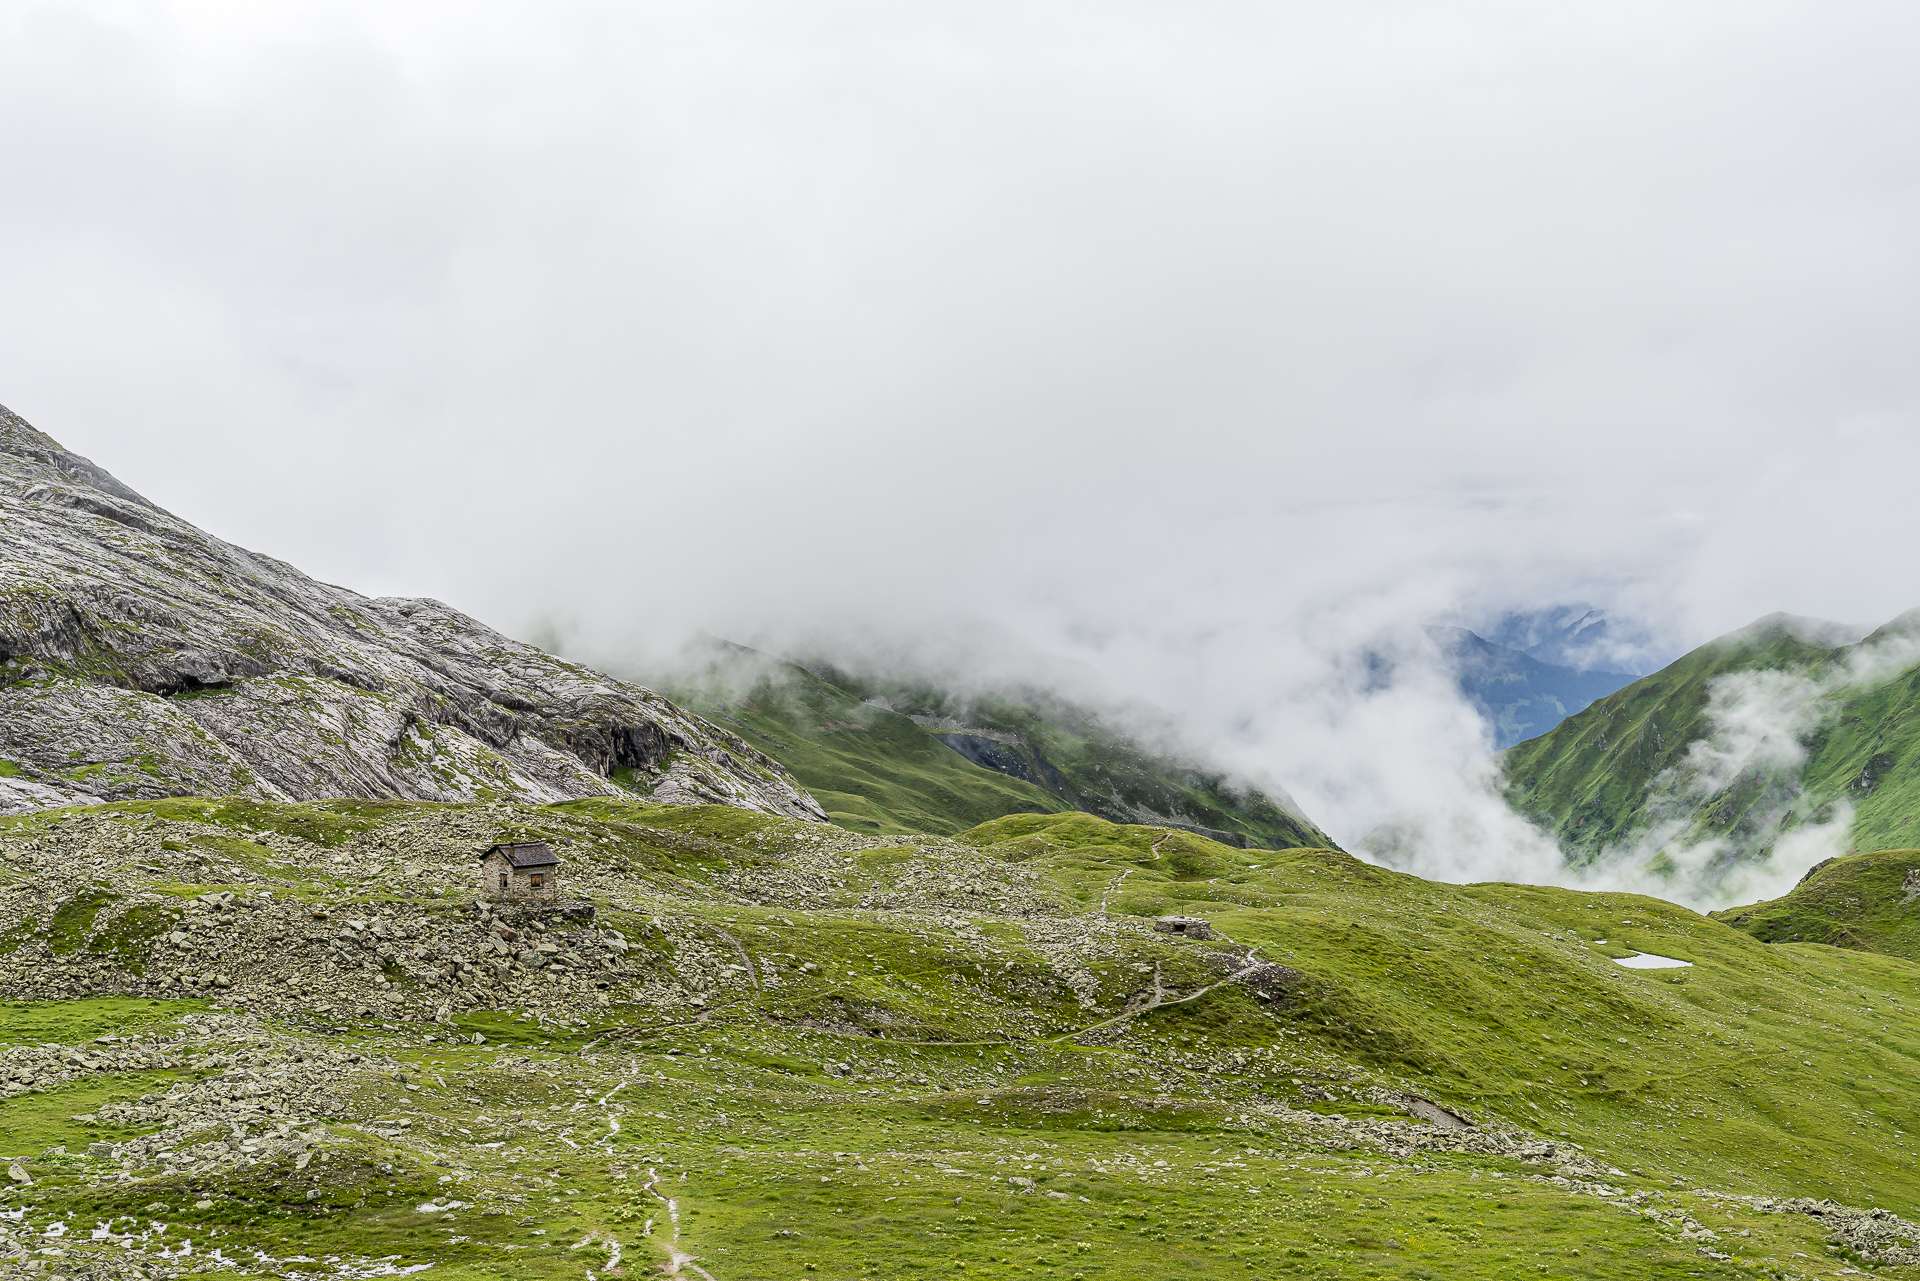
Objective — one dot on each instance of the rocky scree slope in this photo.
(140, 657)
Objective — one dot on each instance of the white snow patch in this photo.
(1648, 961)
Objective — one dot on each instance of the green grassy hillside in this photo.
(1868, 902)
(1081, 757)
(1601, 777)
(1867, 753)
(1631, 764)
(887, 756)
(288, 1034)
(872, 769)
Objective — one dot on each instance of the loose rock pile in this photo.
(1877, 1236)
(1405, 1138)
(267, 1087)
(24, 1068)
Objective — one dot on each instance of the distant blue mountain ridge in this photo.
(1521, 696)
(1580, 637)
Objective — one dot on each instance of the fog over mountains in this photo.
(1722, 777)
(144, 658)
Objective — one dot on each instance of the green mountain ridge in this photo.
(1080, 756)
(873, 770)
(1743, 741)
(889, 755)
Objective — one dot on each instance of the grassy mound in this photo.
(1862, 901)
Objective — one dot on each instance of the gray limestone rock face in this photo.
(142, 658)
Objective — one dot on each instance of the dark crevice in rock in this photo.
(606, 748)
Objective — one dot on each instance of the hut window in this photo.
(537, 879)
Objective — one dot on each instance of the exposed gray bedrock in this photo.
(142, 658)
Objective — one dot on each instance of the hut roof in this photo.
(525, 854)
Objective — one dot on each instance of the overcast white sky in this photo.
(1198, 341)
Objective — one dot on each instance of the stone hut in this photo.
(526, 872)
(1191, 927)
